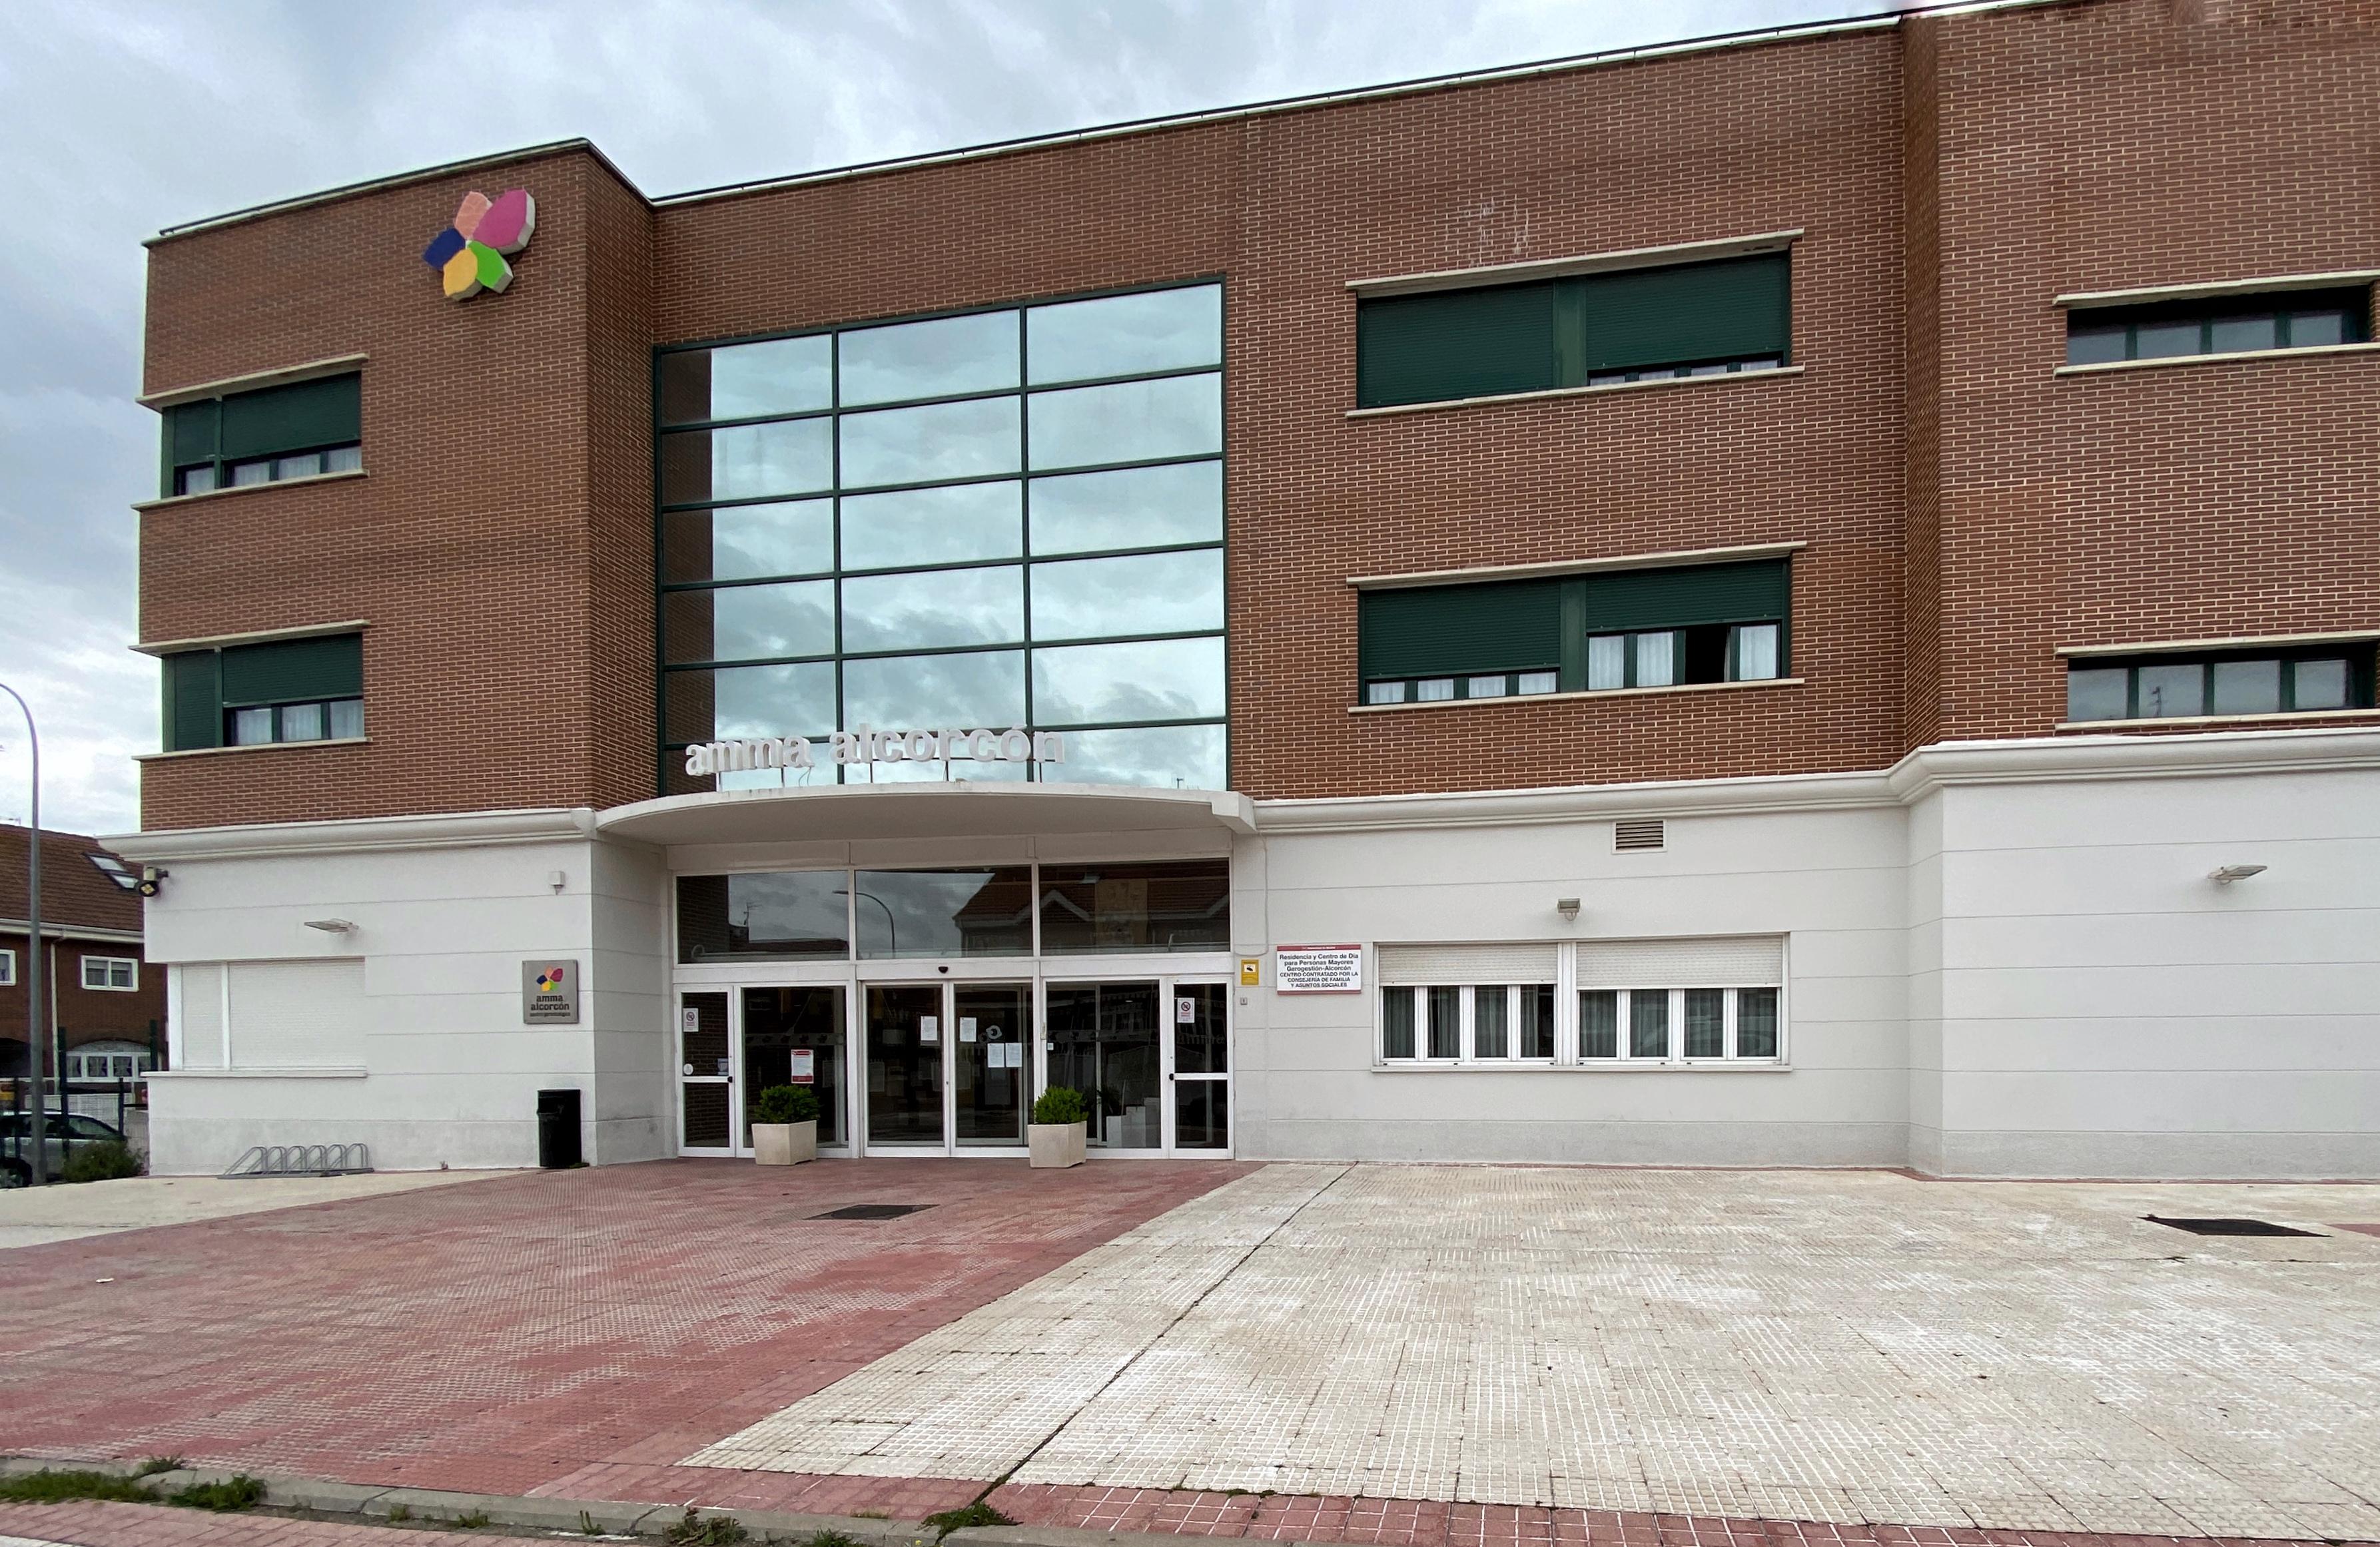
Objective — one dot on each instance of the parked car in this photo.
(16, 1170)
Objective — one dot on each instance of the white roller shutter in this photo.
(1519, 963)
(298, 1014)
(196, 1000)
(1735, 961)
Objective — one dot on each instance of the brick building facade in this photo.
(102, 994)
(1987, 529)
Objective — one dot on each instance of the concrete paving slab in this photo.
(38, 1215)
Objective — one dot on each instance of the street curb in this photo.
(562, 1517)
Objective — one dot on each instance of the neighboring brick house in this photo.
(104, 996)
(1801, 597)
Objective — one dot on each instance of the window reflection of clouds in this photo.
(796, 700)
(933, 525)
(1171, 678)
(934, 607)
(1159, 755)
(1149, 593)
(938, 912)
(743, 542)
(748, 461)
(783, 376)
(1134, 507)
(1132, 421)
(755, 622)
(983, 688)
(924, 445)
(1121, 335)
(940, 358)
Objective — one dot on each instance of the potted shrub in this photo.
(785, 1126)
(1061, 1119)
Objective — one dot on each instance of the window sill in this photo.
(109, 988)
(1511, 698)
(328, 1071)
(173, 499)
(254, 746)
(1552, 393)
(1600, 1065)
(2103, 366)
(2316, 715)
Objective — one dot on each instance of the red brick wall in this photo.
(88, 1014)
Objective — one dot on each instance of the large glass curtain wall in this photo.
(998, 518)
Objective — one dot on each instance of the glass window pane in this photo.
(2247, 687)
(981, 689)
(1167, 679)
(746, 542)
(1657, 660)
(251, 726)
(2097, 693)
(1537, 682)
(1202, 1045)
(347, 719)
(1648, 1023)
(2310, 329)
(748, 461)
(745, 381)
(1132, 507)
(1599, 1023)
(1396, 1023)
(248, 473)
(1434, 690)
(1384, 693)
(941, 358)
(1755, 1022)
(929, 445)
(738, 701)
(2094, 345)
(1705, 1022)
(1606, 661)
(1161, 330)
(2245, 332)
(1755, 652)
(307, 465)
(1536, 1019)
(1149, 593)
(1172, 905)
(934, 608)
(1161, 756)
(343, 459)
(749, 622)
(2172, 690)
(199, 479)
(301, 722)
(1483, 687)
(933, 525)
(780, 915)
(1445, 1022)
(2318, 685)
(985, 912)
(1130, 422)
(2158, 340)
(1489, 1007)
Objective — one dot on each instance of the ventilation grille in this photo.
(2230, 1226)
(1638, 832)
(871, 1211)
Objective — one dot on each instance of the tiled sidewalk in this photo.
(144, 1525)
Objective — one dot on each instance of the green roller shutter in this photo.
(1448, 630)
(193, 701)
(293, 670)
(1734, 309)
(190, 432)
(292, 419)
(1663, 598)
(1456, 343)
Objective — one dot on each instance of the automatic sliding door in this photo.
(1103, 1043)
(905, 1065)
(793, 1036)
(990, 1066)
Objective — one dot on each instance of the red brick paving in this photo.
(552, 1331)
(142, 1525)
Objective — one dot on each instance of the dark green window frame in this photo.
(1495, 639)
(1714, 317)
(208, 691)
(2218, 325)
(2194, 684)
(272, 435)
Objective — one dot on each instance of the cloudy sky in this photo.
(121, 116)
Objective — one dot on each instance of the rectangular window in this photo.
(1173, 905)
(114, 974)
(2218, 325)
(2220, 684)
(289, 690)
(272, 435)
(1715, 317)
(1595, 633)
(8, 969)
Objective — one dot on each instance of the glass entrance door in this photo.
(1103, 1041)
(793, 1036)
(1202, 1067)
(992, 1062)
(706, 1078)
(904, 1066)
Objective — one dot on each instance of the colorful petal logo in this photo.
(469, 255)
(549, 980)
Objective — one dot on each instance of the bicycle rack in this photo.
(302, 1160)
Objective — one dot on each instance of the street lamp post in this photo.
(891, 926)
(38, 1161)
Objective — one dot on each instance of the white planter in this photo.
(1055, 1144)
(784, 1144)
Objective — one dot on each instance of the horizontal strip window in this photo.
(2220, 684)
(1638, 324)
(302, 430)
(1468, 1022)
(291, 690)
(1677, 1025)
(1605, 630)
(2228, 324)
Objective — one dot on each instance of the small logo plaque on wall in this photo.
(549, 993)
(470, 254)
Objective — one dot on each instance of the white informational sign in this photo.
(929, 1028)
(1185, 1012)
(867, 746)
(689, 1020)
(1317, 969)
(805, 1066)
(967, 1028)
(1004, 1055)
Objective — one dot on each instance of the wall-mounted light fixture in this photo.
(153, 881)
(1568, 909)
(330, 926)
(2224, 874)
(555, 879)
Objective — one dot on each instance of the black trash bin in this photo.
(557, 1128)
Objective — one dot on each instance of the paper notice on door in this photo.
(804, 1063)
(967, 1028)
(1007, 1055)
(929, 1028)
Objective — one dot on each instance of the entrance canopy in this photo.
(961, 809)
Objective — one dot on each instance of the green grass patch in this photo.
(104, 1162)
(156, 1463)
(57, 1487)
(976, 1514)
(232, 1493)
(473, 1520)
(699, 1530)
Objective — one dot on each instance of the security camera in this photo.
(153, 881)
